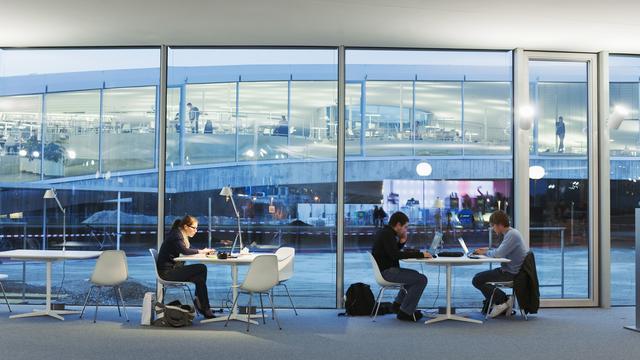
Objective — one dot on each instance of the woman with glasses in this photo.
(176, 243)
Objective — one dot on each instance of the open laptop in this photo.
(468, 253)
(435, 243)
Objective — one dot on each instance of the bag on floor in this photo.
(174, 314)
(359, 300)
(147, 308)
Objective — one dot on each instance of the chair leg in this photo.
(162, 294)
(230, 312)
(184, 292)
(373, 311)
(290, 299)
(85, 301)
(262, 309)
(124, 307)
(95, 315)
(249, 311)
(515, 297)
(376, 306)
(486, 316)
(115, 292)
(273, 311)
(5, 297)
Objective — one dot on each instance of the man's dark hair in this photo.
(189, 104)
(398, 217)
(499, 217)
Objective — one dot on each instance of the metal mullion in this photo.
(340, 180)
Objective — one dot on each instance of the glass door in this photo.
(562, 159)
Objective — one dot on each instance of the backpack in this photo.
(359, 300)
(174, 314)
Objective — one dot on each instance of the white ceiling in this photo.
(573, 25)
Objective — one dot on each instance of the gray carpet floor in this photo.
(320, 334)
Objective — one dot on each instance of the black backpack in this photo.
(174, 314)
(359, 300)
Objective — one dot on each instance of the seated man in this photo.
(512, 248)
(386, 250)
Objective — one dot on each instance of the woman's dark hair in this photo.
(398, 217)
(186, 220)
(499, 217)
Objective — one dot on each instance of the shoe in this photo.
(499, 309)
(207, 313)
(509, 310)
(406, 317)
(395, 307)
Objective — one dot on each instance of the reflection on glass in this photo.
(20, 136)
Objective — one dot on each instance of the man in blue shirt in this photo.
(194, 117)
(512, 248)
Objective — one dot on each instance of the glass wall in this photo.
(559, 194)
(439, 107)
(624, 146)
(263, 122)
(78, 121)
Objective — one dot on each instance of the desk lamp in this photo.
(228, 193)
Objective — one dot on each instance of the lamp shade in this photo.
(424, 169)
(226, 191)
(536, 172)
(438, 204)
(49, 194)
(617, 116)
(526, 117)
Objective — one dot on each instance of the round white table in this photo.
(48, 256)
(450, 262)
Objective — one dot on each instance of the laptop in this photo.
(435, 243)
(469, 254)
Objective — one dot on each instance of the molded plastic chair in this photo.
(111, 271)
(2, 277)
(286, 255)
(261, 278)
(169, 284)
(384, 284)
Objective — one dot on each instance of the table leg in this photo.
(234, 310)
(448, 315)
(47, 311)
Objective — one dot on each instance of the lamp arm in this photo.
(238, 218)
(59, 205)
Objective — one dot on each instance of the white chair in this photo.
(261, 278)
(285, 257)
(384, 284)
(111, 271)
(169, 284)
(2, 277)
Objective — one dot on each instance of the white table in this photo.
(450, 262)
(48, 256)
(233, 262)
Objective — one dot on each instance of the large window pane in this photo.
(435, 107)
(624, 146)
(272, 139)
(81, 119)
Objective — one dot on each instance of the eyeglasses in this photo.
(193, 227)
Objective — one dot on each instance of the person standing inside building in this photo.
(387, 247)
(560, 131)
(194, 116)
(512, 248)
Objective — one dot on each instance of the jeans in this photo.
(197, 274)
(414, 282)
(481, 279)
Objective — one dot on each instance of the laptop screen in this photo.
(463, 245)
(435, 243)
